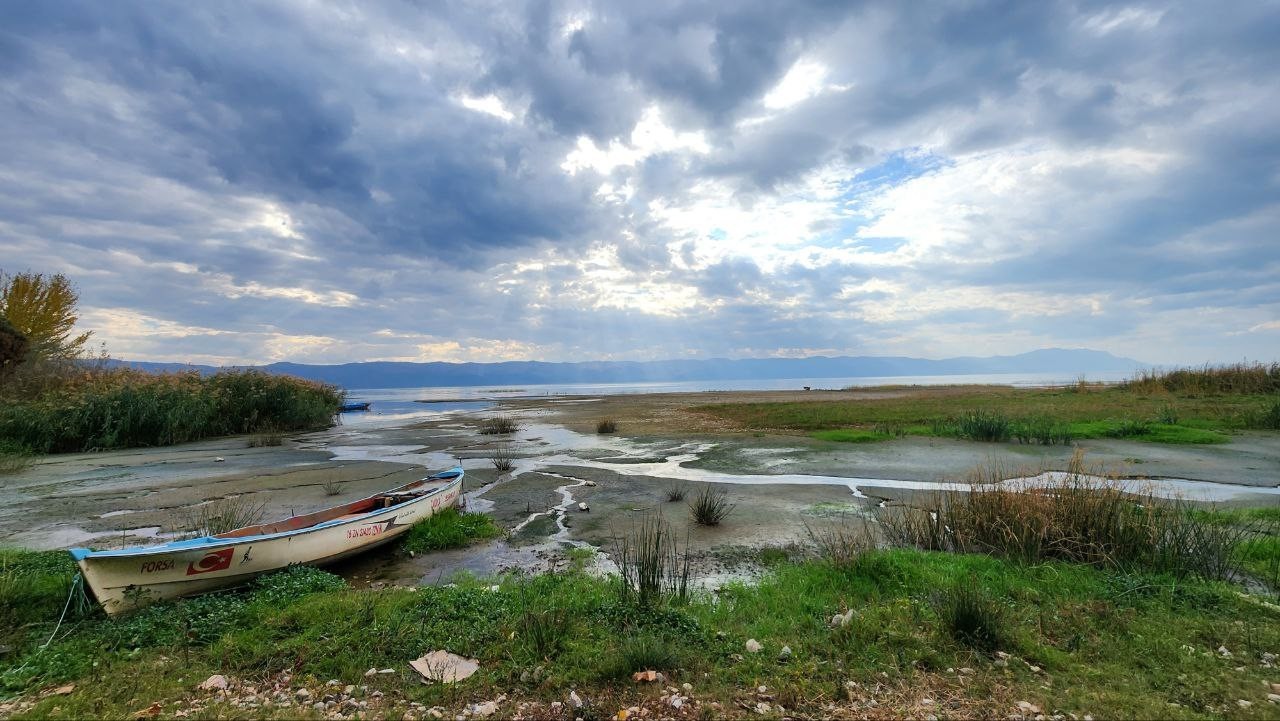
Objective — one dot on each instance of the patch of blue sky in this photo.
(896, 168)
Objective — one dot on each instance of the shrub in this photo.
(710, 506)
(499, 425)
(606, 425)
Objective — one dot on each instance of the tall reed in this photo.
(1235, 378)
(124, 408)
(652, 566)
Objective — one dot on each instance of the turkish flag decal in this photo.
(212, 561)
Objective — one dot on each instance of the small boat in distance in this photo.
(354, 406)
(131, 577)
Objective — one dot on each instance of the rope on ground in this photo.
(75, 584)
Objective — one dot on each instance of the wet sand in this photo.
(779, 484)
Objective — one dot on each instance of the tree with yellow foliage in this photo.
(42, 308)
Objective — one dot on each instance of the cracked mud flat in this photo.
(779, 484)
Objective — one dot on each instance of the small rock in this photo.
(216, 682)
(556, 706)
(842, 619)
(686, 686)
(1028, 707)
(644, 676)
(753, 646)
(371, 672)
(926, 702)
(386, 670)
(583, 507)
(435, 712)
(1223, 652)
(484, 710)
(589, 484)
(676, 702)
(1000, 663)
(762, 708)
(1244, 704)
(333, 683)
(348, 689)
(302, 693)
(318, 705)
(219, 459)
(785, 653)
(966, 671)
(574, 699)
(1273, 697)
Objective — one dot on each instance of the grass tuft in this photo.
(971, 616)
(607, 425)
(676, 492)
(332, 487)
(710, 506)
(448, 529)
(503, 459)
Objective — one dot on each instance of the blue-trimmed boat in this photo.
(124, 579)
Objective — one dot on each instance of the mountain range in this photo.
(388, 374)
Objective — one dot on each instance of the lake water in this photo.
(450, 398)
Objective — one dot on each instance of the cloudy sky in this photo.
(330, 182)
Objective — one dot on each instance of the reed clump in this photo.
(125, 408)
(710, 506)
(503, 459)
(1231, 379)
(499, 425)
(606, 425)
(221, 516)
(653, 567)
(1077, 517)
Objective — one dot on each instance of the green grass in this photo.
(1107, 644)
(1031, 415)
(122, 408)
(448, 529)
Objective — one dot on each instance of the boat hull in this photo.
(124, 580)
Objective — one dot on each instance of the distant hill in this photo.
(380, 374)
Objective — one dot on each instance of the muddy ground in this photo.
(780, 485)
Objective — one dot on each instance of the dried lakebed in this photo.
(779, 485)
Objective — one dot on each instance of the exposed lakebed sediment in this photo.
(780, 485)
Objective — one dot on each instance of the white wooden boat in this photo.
(124, 579)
